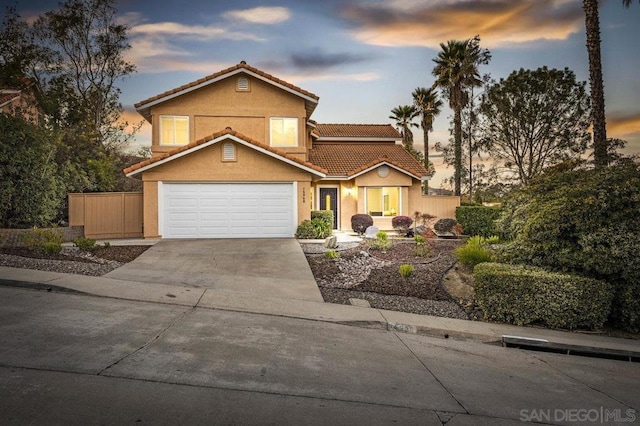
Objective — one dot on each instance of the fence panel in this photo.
(440, 206)
(107, 214)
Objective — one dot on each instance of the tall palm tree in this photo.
(404, 115)
(456, 70)
(598, 119)
(428, 106)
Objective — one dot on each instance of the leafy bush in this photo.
(51, 247)
(325, 215)
(332, 254)
(360, 222)
(419, 239)
(381, 242)
(36, 239)
(445, 225)
(474, 252)
(523, 295)
(401, 223)
(478, 219)
(405, 270)
(583, 221)
(315, 228)
(422, 250)
(84, 244)
(106, 244)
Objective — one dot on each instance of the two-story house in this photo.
(236, 154)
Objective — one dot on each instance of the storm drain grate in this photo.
(543, 345)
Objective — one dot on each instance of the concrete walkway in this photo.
(257, 267)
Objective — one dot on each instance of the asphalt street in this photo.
(78, 359)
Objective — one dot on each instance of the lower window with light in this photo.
(383, 201)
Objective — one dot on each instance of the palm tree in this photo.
(428, 105)
(403, 115)
(598, 119)
(456, 70)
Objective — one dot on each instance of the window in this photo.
(242, 84)
(284, 132)
(228, 151)
(174, 130)
(383, 201)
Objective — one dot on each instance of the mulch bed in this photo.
(122, 254)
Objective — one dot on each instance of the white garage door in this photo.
(227, 210)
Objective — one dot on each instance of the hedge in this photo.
(522, 295)
(360, 222)
(478, 220)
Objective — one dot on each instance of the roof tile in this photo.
(357, 131)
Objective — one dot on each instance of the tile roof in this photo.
(375, 131)
(216, 76)
(227, 132)
(349, 159)
(6, 98)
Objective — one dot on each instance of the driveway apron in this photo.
(261, 267)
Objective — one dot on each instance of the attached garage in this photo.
(227, 210)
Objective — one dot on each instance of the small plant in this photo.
(494, 239)
(51, 247)
(406, 270)
(474, 252)
(36, 239)
(360, 222)
(84, 244)
(316, 228)
(422, 250)
(419, 239)
(381, 242)
(458, 229)
(332, 254)
(106, 244)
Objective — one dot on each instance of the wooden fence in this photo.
(107, 214)
(440, 206)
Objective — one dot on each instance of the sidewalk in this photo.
(303, 309)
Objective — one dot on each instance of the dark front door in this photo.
(329, 201)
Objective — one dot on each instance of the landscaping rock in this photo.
(331, 242)
(371, 232)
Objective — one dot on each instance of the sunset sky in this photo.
(365, 57)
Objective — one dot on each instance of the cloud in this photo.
(498, 22)
(625, 127)
(318, 59)
(260, 15)
(198, 32)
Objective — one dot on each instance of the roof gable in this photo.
(311, 100)
(226, 134)
(346, 161)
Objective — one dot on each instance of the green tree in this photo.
(535, 119)
(456, 71)
(428, 106)
(404, 115)
(31, 190)
(598, 118)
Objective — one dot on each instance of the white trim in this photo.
(294, 221)
(222, 77)
(160, 208)
(338, 201)
(386, 164)
(221, 138)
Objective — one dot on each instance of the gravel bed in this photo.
(312, 248)
(63, 266)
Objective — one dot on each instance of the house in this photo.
(19, 101)
(236, 154)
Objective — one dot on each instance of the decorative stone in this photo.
(364, 253)
(331, 242)
(371, 232)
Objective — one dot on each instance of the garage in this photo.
(227, 210)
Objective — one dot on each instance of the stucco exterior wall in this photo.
(206, 165)
(394, 178)
(219, 105)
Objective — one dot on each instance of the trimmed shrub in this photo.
(315, 228)
(405, 270)
(381, 242)
(583, 221)
(478, 220)
(51, 247)
(445, 225)
(401, 223)
(84, 244)
(474, 252)
(325, 215)
(522, 295)
(360, 222)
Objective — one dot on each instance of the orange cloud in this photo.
(498, 22)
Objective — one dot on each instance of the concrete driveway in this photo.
(268, 267)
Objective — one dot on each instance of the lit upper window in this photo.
(174, 130)
(284, 132)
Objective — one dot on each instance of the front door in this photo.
(329, 201)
